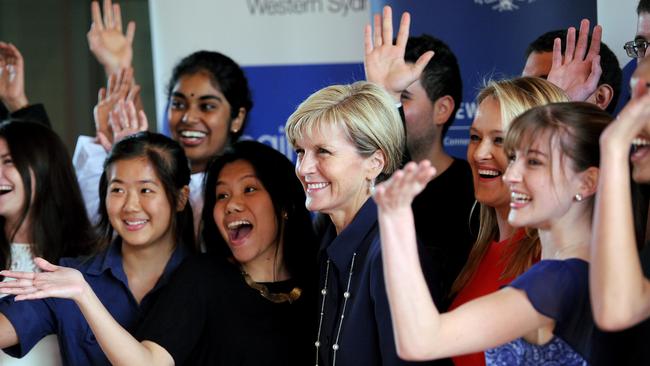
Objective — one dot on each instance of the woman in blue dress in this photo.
(544, 315)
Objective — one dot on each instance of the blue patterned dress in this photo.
(558, 290)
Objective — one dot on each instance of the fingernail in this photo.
(12, 72)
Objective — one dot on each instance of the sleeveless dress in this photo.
(46, 352)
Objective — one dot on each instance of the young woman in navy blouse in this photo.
(144, 200)
(544, 315)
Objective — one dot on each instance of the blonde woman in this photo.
(501, 252)
(347, 139)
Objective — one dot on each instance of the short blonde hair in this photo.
(515, 96)
(365, 112)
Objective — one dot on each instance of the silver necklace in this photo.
(346, 296)
(558, 255)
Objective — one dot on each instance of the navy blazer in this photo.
(366, 334)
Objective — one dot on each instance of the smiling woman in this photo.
(347, 138)
(144, 191)
(209, 101)
(500, 253)
(34, 163)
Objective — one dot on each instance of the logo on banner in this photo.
(503, 5)
(298, 7)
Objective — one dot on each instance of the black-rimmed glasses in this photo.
(636, 48)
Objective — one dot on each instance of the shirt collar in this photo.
(340, 248)
(111, 260)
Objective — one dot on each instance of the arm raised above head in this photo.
(112, 48)
(384, 62)
(578, 71)
(421, 332)
(620, 293)
(12, 78)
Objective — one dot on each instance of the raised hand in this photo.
(120, 87)
(12, 78)
(112, 48)
(578, 71)
(398, 192)
(125, 120)
(54, 281)
(384, 61)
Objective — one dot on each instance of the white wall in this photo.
(618, 18)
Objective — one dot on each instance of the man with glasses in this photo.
(637, 48)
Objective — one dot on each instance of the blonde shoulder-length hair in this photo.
(515, 96)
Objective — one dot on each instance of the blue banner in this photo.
(489, 38)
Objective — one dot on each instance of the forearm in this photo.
(415, 317)
(120, 347)
(8, 336)
(16, 103)
(619, 290)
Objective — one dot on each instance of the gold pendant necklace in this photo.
(277, 298)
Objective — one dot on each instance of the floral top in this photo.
(558, 289)
(520, 352)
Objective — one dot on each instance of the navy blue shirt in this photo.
(366, 335)
(34, 319)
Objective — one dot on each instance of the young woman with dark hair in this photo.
(144, 201)
(38, 187)
(44, 192)
(208, 103)
(272, 170)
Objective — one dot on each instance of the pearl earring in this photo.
(578, 197)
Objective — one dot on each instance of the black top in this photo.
(33, 113)
(442, 213)
(208, 315)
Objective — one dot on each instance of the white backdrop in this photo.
(256, 32)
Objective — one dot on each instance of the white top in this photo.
(46, 351)
(88, 161)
